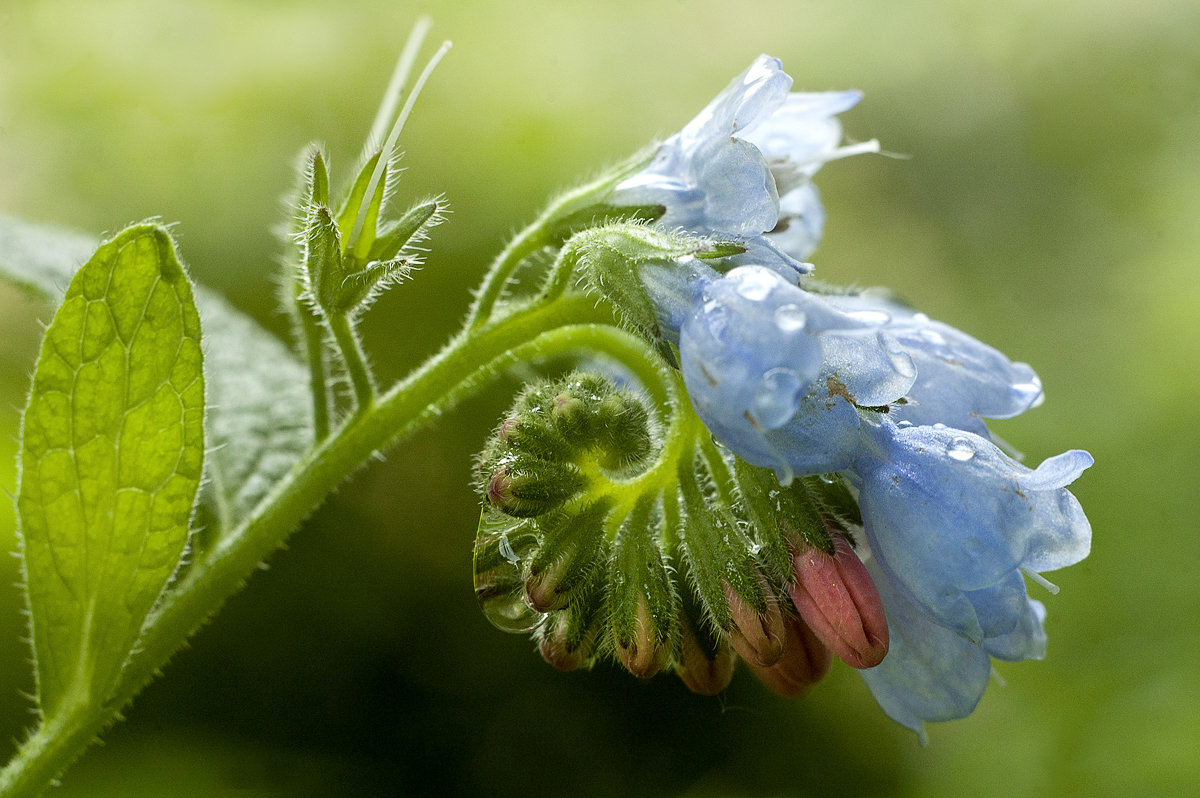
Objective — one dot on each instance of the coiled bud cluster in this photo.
(605, 541)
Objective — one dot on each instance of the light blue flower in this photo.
(930, 673)
(797, 140)
(960, 380)
(775, 372)
(955, 523)
(726, 170)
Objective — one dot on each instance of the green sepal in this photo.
(717, 551)
(318, 180)
(783, 517)
(599, 215)
(643, 606)
(111, 460)
(409, 228)
(613, 260)
(323, 260)
(352, 207)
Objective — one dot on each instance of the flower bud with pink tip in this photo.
(834, 594)
(805, 661)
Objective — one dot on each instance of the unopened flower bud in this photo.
(571, 552)
(706, 662)
(805, 661)
(836, 597)
(643, 609)
(567, 639)
(529, 487)
(757, 636)
(642, 649)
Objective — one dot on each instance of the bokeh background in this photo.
(1047, 204)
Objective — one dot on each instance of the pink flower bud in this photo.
(643, 655)
(805, 661)
(703, 671)
(838, 600)
(758, 639)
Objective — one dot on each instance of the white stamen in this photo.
(852, 149)
(389, 146)
(1041, 580)
(997, 678)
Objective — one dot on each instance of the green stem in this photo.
(355, 360)
(314, 347)
(550, 228)
(463, 367)
(524, 244)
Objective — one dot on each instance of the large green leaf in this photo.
(259, 411)
(111, 460)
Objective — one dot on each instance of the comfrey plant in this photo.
(734, 461)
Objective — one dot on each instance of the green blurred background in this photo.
(1049, 207)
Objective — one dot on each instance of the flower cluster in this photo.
(856, 475)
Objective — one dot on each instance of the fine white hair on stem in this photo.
(390, 144)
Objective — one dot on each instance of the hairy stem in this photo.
(355, 360)
(462, 367)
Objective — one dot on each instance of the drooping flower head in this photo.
(836, 491)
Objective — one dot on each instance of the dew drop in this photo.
(870, 316)
(755, 284)
(932, 336)
(1029, 392)
(960, 449)
(775, 397)
(790, 318)
(500, 545)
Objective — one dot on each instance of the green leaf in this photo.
(111, 460)
(259, 414)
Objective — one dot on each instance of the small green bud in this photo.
(571, 551)
(705, 661)
(643, 606)
(570, 637)
(529, 487)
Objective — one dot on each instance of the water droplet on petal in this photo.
(755, 284)
(775, 397)
(1029, 392)
(790, 318)
(902, 362)
(932, 336)
(870, 316)
(960, 449)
